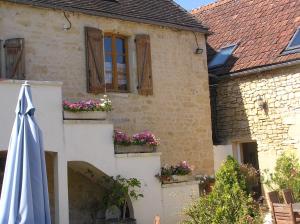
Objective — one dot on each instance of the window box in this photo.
(121, 149)
(85, 115)
(181, 178)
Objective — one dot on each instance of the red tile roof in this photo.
(261, 28)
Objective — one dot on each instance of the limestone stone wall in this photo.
(178, 112)
(263, 108)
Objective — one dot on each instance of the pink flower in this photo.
(88, 105)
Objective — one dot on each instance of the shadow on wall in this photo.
(87, 189)
(255, 107)
(228, 112)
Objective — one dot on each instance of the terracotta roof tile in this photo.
(262, 28)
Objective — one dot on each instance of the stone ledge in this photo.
(126, 155)
(86, 122)
(31, 82)
(191, 182)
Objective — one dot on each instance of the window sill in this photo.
(119, 94)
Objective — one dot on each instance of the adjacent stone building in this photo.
(254, 66)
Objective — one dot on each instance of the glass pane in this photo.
(221, 57)
(120, 44)
(296, 40)
(122, 81)
(108, 58)
(108, 63)
(108, 66)
(108, 77)
(107, 44)
(121, 59)
(121, 68)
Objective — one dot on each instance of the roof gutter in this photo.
(262, 69)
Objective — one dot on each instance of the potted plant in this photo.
(142, 142)
(206, 183)
(87, 109)
(119, 191)
(181, 172)
(173, 174)
(165, 175)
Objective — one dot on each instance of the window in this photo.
(116, 63)
(222, 56)
(294, 44)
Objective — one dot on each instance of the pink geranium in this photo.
(88, 105)
(145, 137)
(121, 138)
(142, 138)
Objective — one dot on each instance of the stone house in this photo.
(142, 55)
(254, 67)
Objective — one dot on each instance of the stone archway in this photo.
(86, 191)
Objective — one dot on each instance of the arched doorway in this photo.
(87, 190)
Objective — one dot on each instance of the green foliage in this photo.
(228, 202)
(119, 189)
(252, 177)
(286, 174)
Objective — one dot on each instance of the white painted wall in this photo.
(91, 142)
(47, 100)
(144, 167)
(220, 154)
(175, 198)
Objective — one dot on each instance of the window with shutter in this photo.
(95, 60)
(116, 63)
(144, 67)
(14, 58)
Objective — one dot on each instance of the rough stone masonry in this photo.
(261, 107)
(178, 112)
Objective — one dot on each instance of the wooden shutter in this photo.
(15, 58)
(94, 60)
(144, 67)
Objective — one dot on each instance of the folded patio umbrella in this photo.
(24, 196)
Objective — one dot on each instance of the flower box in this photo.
(121, 149)
(85, 115)
(180, 178)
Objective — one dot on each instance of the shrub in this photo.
(252, 177)
(119, 189)
(228, 202)
(286, 174)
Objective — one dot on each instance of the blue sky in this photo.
(191, 4)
